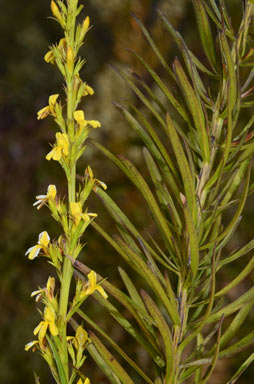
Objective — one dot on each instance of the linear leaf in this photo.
(100, 362)
(236, 216)
(153, 46)
(239, 346)
(192, 237)
(161, 190)
(240, 277)
(115, 346)
(182, 46)
(59, 364)
(110, 360)
(235, 325)
(130, 170)
(187, 177)
(140, 95)
(242, 368)
(165, 333)
(205, 32)
(164, 89)
(230, 68)
(195, 108)
(246, 298)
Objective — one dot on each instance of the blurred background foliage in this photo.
(26, 81)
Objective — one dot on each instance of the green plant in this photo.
(55, 346)
(186, 323)
(198, 151)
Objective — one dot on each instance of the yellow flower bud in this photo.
(85, 26)
(57, 13)
(50, 57)
(70, 60)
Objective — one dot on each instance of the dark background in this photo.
(26, 81)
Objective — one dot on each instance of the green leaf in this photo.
(110, 360)
(187, 177)
(100, 361)
(246, 298)
(164, 89)
(116, 347)
(235, 325)
(153, 46)
(60, 368)
(165, 333)
(239, 346)
(130, 170)
(230, 69)
(183, 47)
(131, 289)
(205, 32)
(141, 96)
(241, 252)
(193, 251)
(236, 216)
(240, 277)
(195, 108)
(242, 368)
(161, 190)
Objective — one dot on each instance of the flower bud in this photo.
(70, 60)
(57, 13)
(84, 28)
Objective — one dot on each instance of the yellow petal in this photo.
(43, 331)
(31, 344)
(101, 291)
(52, 101)
(33, 252)
(81, 336)
(42, 113)
(92, 281)
(50, 57)
(94, 123)
(44, 239)
(53, 329)
(51, 193)
(80, 381)
(75, 208)
(49, 315)
(88, 90)
(85, 24)
(37, 329)
(87, 381)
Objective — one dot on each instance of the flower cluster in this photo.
(71, 213)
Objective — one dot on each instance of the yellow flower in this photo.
(43, 242)
(49, 110)
(80, 339)
(77, 214)
(89, 175)
(61, 148)
(31, 344)
(88, 90)
(42, 199)
(79, 116)
(92, 286)
(70, 59)
(87, 381)
(48, 290)
(50, 57)
(49, 322)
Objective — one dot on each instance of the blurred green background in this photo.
(26, 81)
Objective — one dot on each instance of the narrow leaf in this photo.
(110, 360)
(165, 333)
(187, 177)
(205, 32)
(195, 108)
